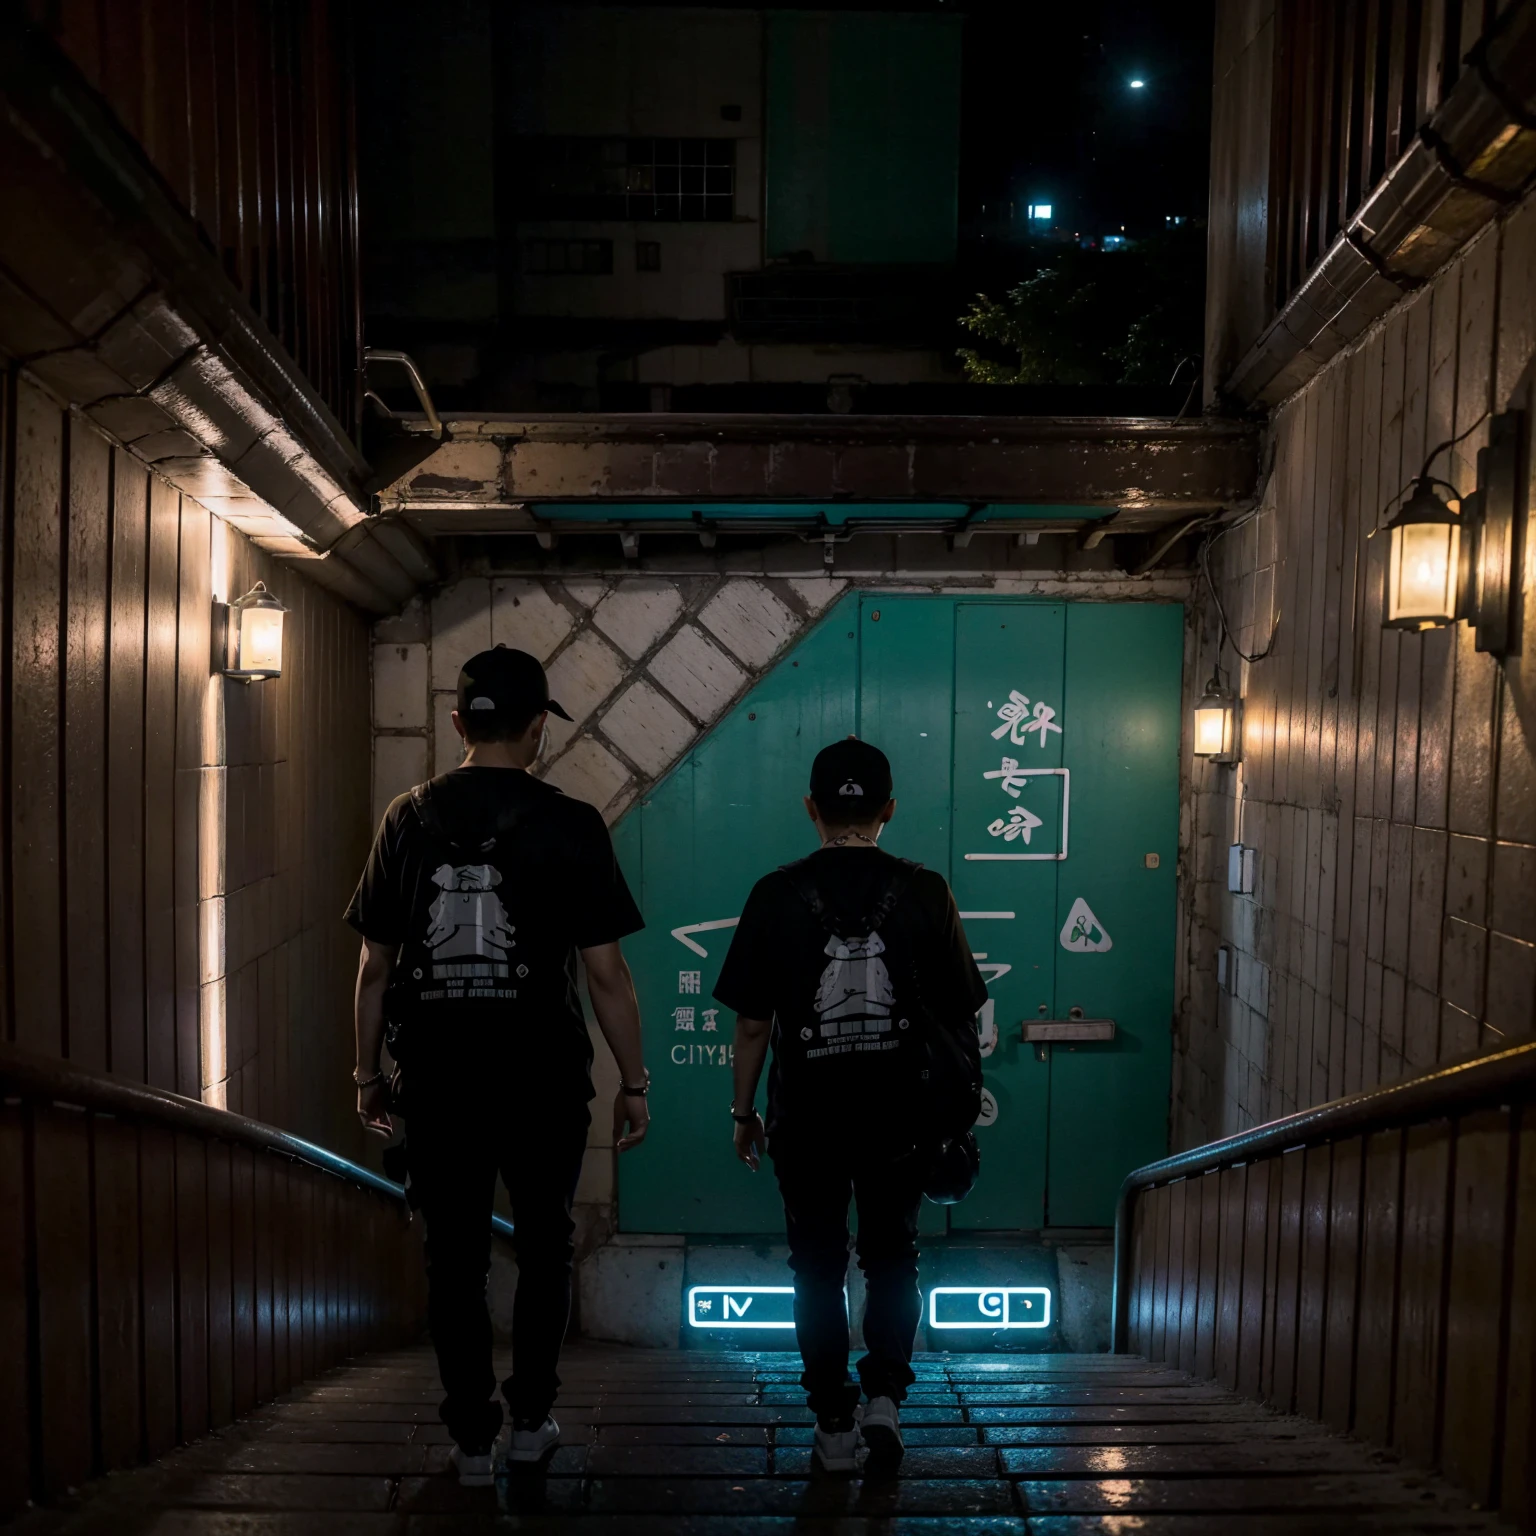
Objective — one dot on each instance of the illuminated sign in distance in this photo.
(741, 1306)
(989, 1307)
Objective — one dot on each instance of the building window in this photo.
(589, 258)
(648, 255)
(654, 180)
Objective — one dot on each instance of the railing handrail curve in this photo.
(24, 1075)
(1455, 1088)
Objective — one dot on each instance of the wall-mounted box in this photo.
(1241, 863)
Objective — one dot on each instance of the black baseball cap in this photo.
(850, 780)
(506, 684)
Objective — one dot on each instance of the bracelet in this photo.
(634, 1093)
(367, 1082)
(745, 1119)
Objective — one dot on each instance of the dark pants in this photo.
(817, 1183)
(457, 1148)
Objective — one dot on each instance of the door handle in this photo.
(1073, 1027)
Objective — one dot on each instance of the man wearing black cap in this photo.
(481, 888)
(844, 961)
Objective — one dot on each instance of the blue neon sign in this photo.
(741, 1306)
(978, 1308)
(989, 1307)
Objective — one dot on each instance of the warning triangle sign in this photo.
(1082, 931)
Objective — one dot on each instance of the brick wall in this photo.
(1387, 779)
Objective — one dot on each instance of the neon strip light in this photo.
(735, 1305)
(977, 916)
(1011, 1306)
(1065, 774)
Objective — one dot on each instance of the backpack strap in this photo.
(424, 802)
(886, 900)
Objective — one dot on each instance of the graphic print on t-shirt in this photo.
(469, 933)
(855, 997)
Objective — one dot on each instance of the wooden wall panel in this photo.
(111, 590)
(159, 1306)
(36, 631)
(15, 1333)
(128, 1280)
(1394, 1300)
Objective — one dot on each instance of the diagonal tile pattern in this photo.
(705, 1444)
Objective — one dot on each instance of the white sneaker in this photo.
(531, 1444)
(479, 1471)
(836, 1450)
(881, 1428)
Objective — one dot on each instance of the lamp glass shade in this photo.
(261, 641)
(1423, 563)
(1211, 726)
(255, 636)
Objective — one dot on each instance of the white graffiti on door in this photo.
(1019, 719)
(1020, 823)
(1083, 933)
(1014, 778)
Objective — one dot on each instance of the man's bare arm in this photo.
(752, 1036)
(612, 989)
(375, 965)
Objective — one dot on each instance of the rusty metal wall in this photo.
(110, 750)
(1388, 781)
(246, 108)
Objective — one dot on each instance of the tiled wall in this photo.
(641, 663)
(1387, 778)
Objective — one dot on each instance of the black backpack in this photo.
(462, 950)
(945, 1091)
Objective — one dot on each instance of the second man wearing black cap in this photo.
(482, 887)
(849, 961)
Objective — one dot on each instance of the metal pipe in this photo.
(1480, 1082)
(25, 1076)
(373, 355)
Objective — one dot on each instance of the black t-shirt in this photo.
(784, 966)
(555, 871)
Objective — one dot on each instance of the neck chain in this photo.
(842, 842)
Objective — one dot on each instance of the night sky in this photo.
(1049, 115)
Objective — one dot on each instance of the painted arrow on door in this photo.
(681, 934)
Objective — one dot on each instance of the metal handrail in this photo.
(1476, 1082)
(24, 1075)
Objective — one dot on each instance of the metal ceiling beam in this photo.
(494, 472)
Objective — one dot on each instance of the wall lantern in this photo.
(1423, 560)
(1449, 561)
(254, 636)
(1218, 718)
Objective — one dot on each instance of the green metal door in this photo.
(1035, 753)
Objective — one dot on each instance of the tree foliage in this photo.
(1095, 317)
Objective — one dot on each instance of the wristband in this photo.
(634, 1093)
(745, 1119)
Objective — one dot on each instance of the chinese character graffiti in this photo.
(1014, 779)
(709, 1025)
(1019, 719)
(683, 1018)
(1020, 823)
(688, 983)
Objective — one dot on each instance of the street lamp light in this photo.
(1138, 85)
